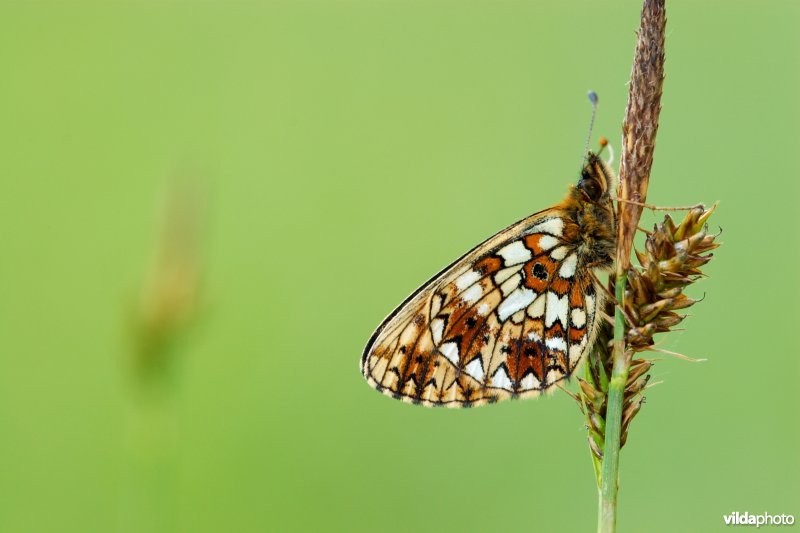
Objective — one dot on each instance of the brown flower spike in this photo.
(640, 126)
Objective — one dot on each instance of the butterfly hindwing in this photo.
(510, 318)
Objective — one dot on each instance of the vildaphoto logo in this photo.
(746, 519)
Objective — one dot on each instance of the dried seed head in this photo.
(672, 259)
(670, 262)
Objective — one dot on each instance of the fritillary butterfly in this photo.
(511, 317)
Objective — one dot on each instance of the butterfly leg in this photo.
(656, 207)
(613, 300)
(570, 393)
(676, 354)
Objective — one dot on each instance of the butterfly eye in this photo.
(591, 188)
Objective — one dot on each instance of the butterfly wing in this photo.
(509, 319)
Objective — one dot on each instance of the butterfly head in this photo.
(590, 205)
(596, 180)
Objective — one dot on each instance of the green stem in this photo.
(607, 510)
(149, 488)
(596, 463)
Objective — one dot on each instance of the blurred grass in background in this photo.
(352, 149)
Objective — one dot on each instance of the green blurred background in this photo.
(348, 150)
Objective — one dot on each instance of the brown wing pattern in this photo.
(509, 319)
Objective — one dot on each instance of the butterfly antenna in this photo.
(593, 100)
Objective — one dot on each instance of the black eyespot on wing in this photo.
(539, 271)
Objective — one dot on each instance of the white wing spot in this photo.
(575, 353)
(559, 253)
(483, 309)
(450, 350)
(475, 369)
(536, 309)
(556, 343)
(514, 253)
(472, 294)
(506, 273)
(546, 242)
(578, 317)
(510, 284)
(436, 304)
(553, 226)
(437, 329)
(519, 299)
(500, 379)
(557, 309)
(533, 336)
(529, 382)
(567, 269)
(466, 279)
(554, 374)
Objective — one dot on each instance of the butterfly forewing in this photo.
(510, 318)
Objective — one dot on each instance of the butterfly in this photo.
(510, 318)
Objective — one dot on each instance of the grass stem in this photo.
(607, 517)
